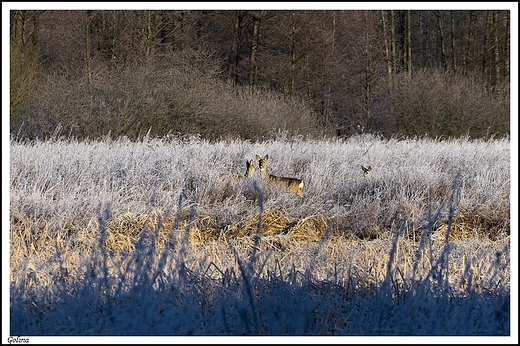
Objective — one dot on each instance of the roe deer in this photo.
(367, 171)
(250, 170)
(292, 184)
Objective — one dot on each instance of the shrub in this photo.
(437, 103)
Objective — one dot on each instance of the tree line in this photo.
(394, 72)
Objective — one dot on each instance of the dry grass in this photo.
(33, 239)
(120, 220)
(469, 225)
(296, 252)
(123, 232)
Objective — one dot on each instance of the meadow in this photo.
(158, 237)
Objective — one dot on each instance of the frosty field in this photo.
(158, 237)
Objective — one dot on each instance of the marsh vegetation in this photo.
(120, 237)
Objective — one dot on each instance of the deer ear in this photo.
(266, 157)
(258, 157)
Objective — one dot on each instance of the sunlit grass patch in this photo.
(474, 225)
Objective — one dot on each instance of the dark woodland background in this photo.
(256, 74)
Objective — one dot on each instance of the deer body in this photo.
(291, 184)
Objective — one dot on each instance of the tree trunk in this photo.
(393, 43)
(440, 31)
(367, 89)
(149, 36)
(487, 43)
(469, 56)
(254, 47)
(328, 97)
(507, 47)
(87, 72)
(452, 41)
(387, 49)
(408, 43)
(293, 57)
(235, 45)
(496, 50)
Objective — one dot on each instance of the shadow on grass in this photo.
(158, 293)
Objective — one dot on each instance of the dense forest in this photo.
(255, 73)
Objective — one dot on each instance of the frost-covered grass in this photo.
(150, 238)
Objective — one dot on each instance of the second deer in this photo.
(367, 171)
(291, 184)
(250, 170)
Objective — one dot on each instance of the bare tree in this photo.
(235, 45)
(257, 18)
(387, 47)
(87, 68)
(496, 45)
(408, 45)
